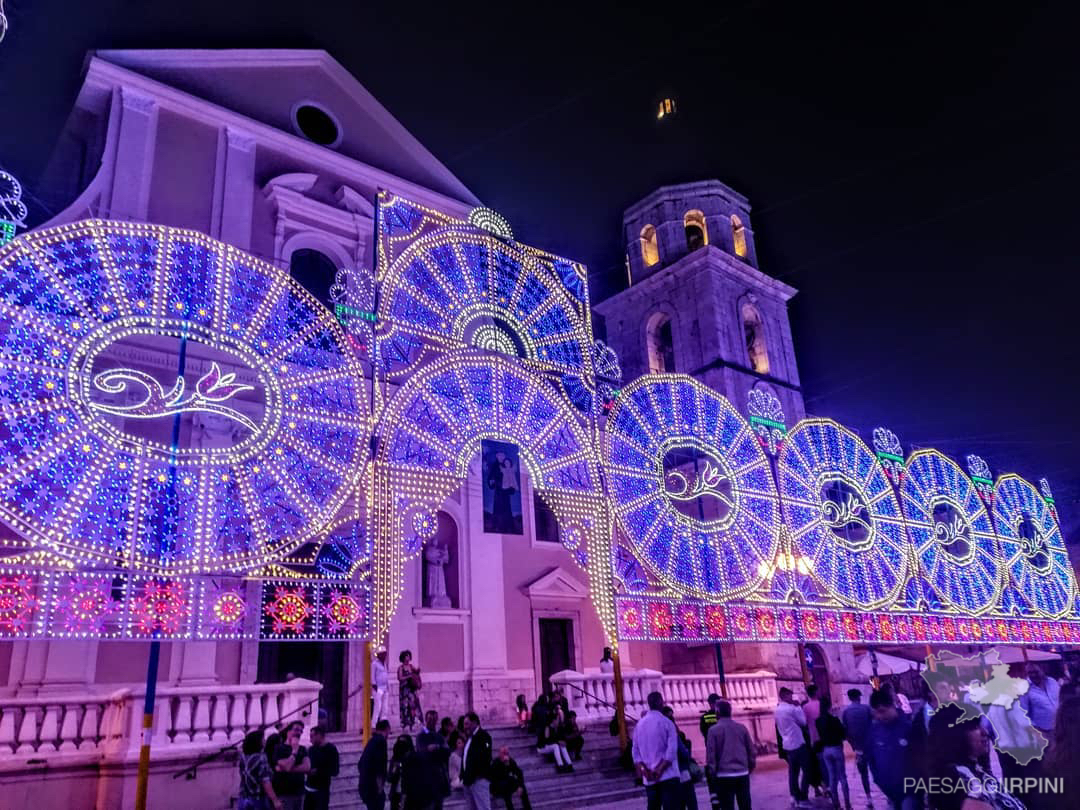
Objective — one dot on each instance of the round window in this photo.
(316, 124)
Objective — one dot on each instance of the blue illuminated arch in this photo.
(269, 407)
(451, 282)
(719, 554)
(1039, 568)
(955, 546)
(843, 514)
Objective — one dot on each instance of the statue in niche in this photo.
(436, 558)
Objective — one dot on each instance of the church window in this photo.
(317, 124)
(315, 272)
(547, 526)
(754, 332)
(650, 248)
(697, 235)
(661, 346)
(738, 234)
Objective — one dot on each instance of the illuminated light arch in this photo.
(452, 279)
(725, 550)
(271, 406)
(431, 431)
(954, 542)
(843, 514)
(1034, 551)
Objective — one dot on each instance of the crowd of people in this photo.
(930, 752)
(278, 772)
(934, 751)
(419, 773)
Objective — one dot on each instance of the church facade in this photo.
(284, 156)
(495, 604)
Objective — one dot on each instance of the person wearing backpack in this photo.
(256, 785)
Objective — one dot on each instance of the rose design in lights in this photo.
(160, 607)
(112, 335)
(84, 605)
(229, 608)
(1034, 552)
(342, 612)
(17, 604)
(289, 610)
(954, 541)
(691, 487)
(843, 515)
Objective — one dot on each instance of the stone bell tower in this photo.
(696, 302)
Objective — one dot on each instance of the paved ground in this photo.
(769, 791)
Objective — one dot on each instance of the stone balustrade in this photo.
(747, 692)
(593, 696)
(187, 721)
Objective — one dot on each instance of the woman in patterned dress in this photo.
(409, 691)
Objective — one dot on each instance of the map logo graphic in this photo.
(980, 686)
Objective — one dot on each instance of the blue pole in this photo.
(143, 777)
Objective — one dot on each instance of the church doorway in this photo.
(315, 660)
(556, 648)
(817, 668)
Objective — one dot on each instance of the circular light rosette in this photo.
(691, 487)
(954, 540)
(1034, 551)
(843, 515)
(168, 403)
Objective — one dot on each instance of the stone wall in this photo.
(490, 697)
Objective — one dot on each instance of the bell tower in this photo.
(696, 302)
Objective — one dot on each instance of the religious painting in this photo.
(502, 488)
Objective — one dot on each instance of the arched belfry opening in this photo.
(697, 235)
(757, 351)
(738, 236)
(650, 247)
(660, 344)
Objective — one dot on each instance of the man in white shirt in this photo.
(656, 757)
(380, 688)
(791, 725)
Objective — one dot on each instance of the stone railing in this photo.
(746, 691)
(33, 728)
(593, 696)
(186, 721)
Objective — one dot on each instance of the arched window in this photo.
(738, 234)
(650, 248)
(697, 235)
(754, 332)
(661, 347)
(316, 273)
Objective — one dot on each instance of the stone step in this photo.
(573, 791)
(597, 776)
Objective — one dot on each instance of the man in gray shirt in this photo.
(856, 719)
(729, 759)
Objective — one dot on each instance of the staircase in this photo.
(597, 778)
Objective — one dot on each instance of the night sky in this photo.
(913, 171)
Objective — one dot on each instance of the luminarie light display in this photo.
(195, 448)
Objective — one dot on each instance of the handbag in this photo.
(416, 682)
